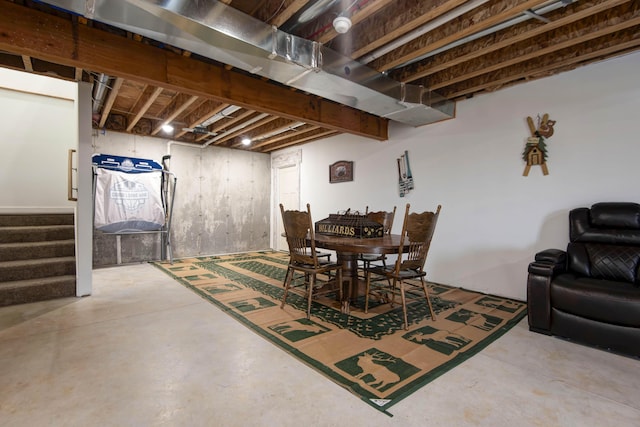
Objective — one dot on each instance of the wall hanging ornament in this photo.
(405, 178)
(535, 151)
(341, 171)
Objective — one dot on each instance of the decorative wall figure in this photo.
(405, 178)
(535, 151)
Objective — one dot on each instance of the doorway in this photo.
(286, 174)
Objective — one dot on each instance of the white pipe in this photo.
(278, 132)
(118, 249)
(222, 114)
(240, 126)
(186, 144)
(100, 92)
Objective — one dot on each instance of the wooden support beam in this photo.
(27, 31)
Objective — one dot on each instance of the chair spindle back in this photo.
(417, 229)
(298, 228)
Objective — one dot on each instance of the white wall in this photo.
(494, 219)
(39, 125)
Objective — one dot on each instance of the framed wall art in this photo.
(341, 171)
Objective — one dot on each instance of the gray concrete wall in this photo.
(222, 200)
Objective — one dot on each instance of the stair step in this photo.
(15, 220)
(12, 234)
(37, 250)
(37, 268)
(37, 257)
(32, 290)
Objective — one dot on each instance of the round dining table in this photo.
(347, 250)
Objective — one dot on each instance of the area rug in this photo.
(371, 355)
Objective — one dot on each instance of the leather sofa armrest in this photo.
(547, 264)
(553, 256)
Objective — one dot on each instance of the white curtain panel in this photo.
(128, 201)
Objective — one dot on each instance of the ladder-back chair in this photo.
(385, 219)
(417, 231)
(298, 228)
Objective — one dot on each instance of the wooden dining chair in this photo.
(303, 258)
(386, 220)
(417, 232)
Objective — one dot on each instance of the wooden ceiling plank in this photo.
(225, 123)
(285, 10)
(295, 105)
(456, 29)
(493, 43)
(299, 132)
(26, 60)
(146, 100)
(108, 104)
(359, 15)
(388, 26)
(321, 134)
(175, 108)
(249, 128)
(445, 79)
(203, 113)
(545, 69)
(277, 127)
(31, 32)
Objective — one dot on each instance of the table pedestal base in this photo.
(354, 287)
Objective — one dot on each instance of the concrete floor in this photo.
(145, 351)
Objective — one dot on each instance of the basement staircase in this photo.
(37, 258)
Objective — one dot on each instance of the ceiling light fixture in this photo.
(342, 24)
(167, 128)
(246, 141)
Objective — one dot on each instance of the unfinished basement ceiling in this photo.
(422, 56)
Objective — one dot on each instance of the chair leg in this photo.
(393, 291)
(366, 292)
(287, 282)
(404, 306)
(286, 276)
(426, 294)
(384, 264)
(312, 280)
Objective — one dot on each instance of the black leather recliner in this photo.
(590, 293)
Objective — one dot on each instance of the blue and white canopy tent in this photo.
(133, 195)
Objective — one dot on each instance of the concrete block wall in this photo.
(222, 200)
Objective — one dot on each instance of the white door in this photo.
(288, 193)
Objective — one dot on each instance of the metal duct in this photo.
(99, 92)
(222, 33)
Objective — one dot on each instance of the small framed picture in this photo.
(341, 171)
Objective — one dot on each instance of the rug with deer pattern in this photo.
(371, 355)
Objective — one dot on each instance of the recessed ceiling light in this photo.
(246, 141)
(167, 128)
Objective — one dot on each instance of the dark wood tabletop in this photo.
(380, 245)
